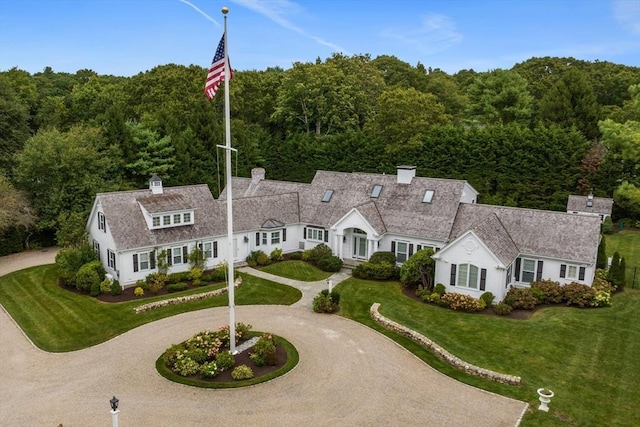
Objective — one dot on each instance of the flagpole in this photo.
(230, 257)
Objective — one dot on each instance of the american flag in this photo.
(216, 71)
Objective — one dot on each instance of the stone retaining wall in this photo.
(440, 352)
(187, 298)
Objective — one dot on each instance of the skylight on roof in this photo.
(327, 195)
(375, 193)
(428, 195)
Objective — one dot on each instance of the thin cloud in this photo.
(200, 12)
(435, 34)
(276, 10)
(627, 13)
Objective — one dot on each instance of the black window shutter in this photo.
(563, 270)
(581, 273)
(418, 248)
(257, 239)
(304, 233)
(152, 259)
(135, 262)
(169, 259)
(453, 275)
(483, 279)
(517, 270)
(410, 249)
(393, 246)
(284, 234)
(185, 255)
(326, 235)
(215, 249)
(539, 271)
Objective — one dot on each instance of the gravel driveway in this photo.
(348, 375)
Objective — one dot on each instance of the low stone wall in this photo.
(440, 352)
(187, 298)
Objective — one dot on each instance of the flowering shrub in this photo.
(502, 309)
(322, 303)
(225, 360)
(434, 297)
(578, 294)
(264, 351)
(186, 366)
(209, 369)
(242, 372)
(521, 298)
(601, 299)
(547, 291)
(138, 291)
(461, 302)
(206, 341)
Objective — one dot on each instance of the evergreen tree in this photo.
(622, 274)
(602, 254)
(612, 275)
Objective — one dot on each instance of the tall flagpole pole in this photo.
(230, 257)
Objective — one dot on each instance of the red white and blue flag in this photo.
(217, 71)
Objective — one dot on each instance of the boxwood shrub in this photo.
(177, 287)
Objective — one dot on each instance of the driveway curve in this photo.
(348, 375)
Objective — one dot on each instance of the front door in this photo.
(360, 247)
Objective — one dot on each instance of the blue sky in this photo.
(125, 37)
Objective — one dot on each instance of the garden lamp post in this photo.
(114, 411)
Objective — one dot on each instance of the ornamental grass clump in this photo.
(242, 372)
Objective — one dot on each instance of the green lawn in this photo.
(59, 320)
(588, 357)
(627, 244)
(297, 270)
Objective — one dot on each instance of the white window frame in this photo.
(144, 262)
(177, 249)
(275, 237)
(402, 254)
(264, 238)
(187, 218)
(315, 234)
(166, 220)
(464, 278)
(569, 274)
(177, 218)
(523, 271)
(155, 221)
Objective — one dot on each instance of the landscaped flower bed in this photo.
(204, 360)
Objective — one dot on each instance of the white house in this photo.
(356, 214)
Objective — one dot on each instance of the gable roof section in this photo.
(371, 214)
(601, 205)
(245, 187)
(549, 234)
(129, 229)
(251, 213)
(497, 238)
(399, 206)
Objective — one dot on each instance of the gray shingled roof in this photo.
(535, 232)
(497, 238)
(601, 205)
(156, 203)
(126, 221)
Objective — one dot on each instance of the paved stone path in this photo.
(348, 375)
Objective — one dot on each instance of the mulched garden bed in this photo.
(243, 359)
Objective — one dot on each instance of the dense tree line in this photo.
(528, 136)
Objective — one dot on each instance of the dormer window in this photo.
(428, 196)
(375, 193)
(187, 217)
(156, 221)
(166, 219)
(327, 195)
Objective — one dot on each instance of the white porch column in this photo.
(338, 244)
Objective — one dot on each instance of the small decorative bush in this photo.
(170, 356)
(116, 289)
(186, 366)
(157, 281)
(502, 309)
(219, 274)
(177, 277)
(461, 302)
(547, 291)
(142, 284)
(318, 253)
(434, 297)
(105, 286)
(323, 303)
(225, 360)
(381, 270)
(263, 259)
(209, 370)
(296, 256)
(88, 275)
(177, 287)
(420, 291)
(578, 294)
(440, 289)
(379, 257)
(138, 291)
(242, 372)
(276, 255)
(488, 298)
(521, 298)
(95, 289)
(331, 264)
(195, 274)
(264, 351)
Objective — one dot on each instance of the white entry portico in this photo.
(354, 237)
